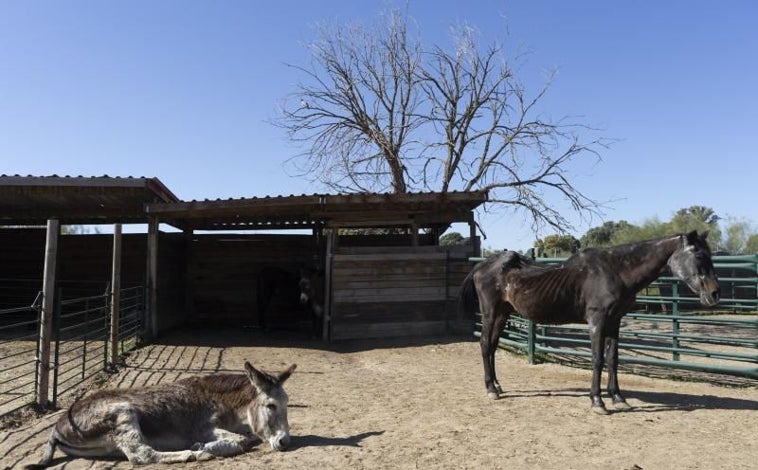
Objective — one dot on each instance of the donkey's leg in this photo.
(611, 360)
(128, 438)
(224, 443)
(597, 339)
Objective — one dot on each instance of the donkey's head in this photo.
(692, 263)
(267, 414)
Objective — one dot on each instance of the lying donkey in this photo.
(196, 418)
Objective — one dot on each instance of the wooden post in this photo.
(189, 276)
(476, 247)
(331, 244)
(151, 322)
(46, 319)
(115, 293)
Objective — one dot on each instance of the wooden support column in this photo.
(475, 245)
(46, 318)
(331, 245)
(115, 293)
(189, 276)
(151, 322)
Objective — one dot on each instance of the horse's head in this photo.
(308, 285)
(267, 414)
(692, 263)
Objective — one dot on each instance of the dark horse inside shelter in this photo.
(298, 292)
(594, 286)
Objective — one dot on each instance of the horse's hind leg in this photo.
(492, 325)
(597, 339)
(611, 360)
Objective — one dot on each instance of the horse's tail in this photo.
(467, 297)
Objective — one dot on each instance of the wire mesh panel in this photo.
(19, 332)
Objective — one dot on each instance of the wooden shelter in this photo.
(399, 282)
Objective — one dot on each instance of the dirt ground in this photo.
(422, 404)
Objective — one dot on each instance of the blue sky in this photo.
(183, 90)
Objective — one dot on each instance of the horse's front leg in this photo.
(597, 339)
(611, 360)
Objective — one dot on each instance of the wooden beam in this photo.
(115, 293)
(331, 244)
(151, 322)
(46, 318)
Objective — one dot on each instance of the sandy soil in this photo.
(409, 405)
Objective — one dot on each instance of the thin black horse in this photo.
(594, 286)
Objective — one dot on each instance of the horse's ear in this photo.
(692, 237)
(286, 374)
(704, 235)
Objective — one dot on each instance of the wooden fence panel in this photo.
(395, 291)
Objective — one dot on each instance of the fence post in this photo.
(675, 320)
(115, 298)
(46, 319)
(531, 338)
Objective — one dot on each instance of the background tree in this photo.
(604, 234)
(557, 246)
(698, 218)
(378, 111)
(451, 238)
(741, 237)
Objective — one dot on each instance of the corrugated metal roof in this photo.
(28, 200)
(31, 200)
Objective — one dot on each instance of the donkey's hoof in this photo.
(493, 395)
(202, 456)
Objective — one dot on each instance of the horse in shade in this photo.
(311, 285)
(595, 286)
(302, 292)
(275, 283)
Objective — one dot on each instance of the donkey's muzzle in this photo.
(280, 442)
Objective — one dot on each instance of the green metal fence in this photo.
(680, 335)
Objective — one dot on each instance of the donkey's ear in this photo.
(259, 380)
(286, 374)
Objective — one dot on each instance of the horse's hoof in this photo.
(599, 410)
(621, 405)
(493, 395)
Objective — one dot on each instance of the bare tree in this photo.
(379, 113)
(359, 107)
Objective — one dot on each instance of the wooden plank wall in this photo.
(395, 291)
(84, 263)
